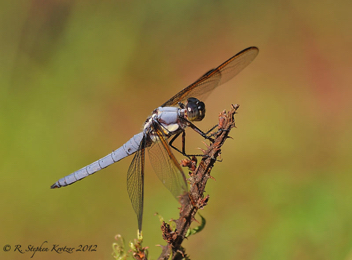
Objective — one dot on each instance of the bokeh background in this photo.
(78, 79)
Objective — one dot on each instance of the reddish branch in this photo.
(194, 199)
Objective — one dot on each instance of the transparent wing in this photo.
(215, 77)
(135, 182)
(166, 166)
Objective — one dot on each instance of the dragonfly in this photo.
(159, 132)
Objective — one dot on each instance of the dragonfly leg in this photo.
(219, 131)
(175, 148)
(211, 129)
(183, 152)
(216, 132)
(204, 135)
(181, 105)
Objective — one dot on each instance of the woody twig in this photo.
(194, 200)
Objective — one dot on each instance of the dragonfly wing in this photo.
(165, 164)
(199, 89)
(135, 182)
(215, 77)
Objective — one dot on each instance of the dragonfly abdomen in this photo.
(130, 147)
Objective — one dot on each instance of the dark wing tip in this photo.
(252, 47)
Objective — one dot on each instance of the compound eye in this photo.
(195, 109)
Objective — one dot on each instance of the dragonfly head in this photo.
(195, 109)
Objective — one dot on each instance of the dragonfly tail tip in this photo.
(54, 186)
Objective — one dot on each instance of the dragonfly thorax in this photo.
(169, 118)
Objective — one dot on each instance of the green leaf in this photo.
(196, 229)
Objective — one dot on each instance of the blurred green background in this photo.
(79, 78)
